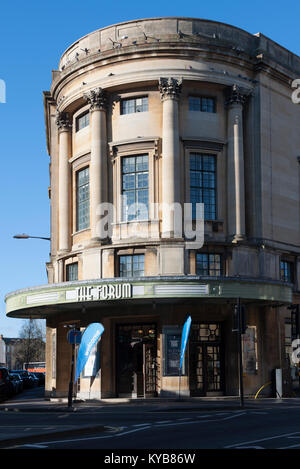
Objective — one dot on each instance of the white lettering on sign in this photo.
(104, 292)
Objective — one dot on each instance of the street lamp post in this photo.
(26, 236)
(71, 327)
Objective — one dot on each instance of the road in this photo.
(265, 425)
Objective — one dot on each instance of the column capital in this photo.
(170, 88)
(235, 95)
(63, 121)
(97, 99)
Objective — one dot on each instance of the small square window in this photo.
(202, 104)
(132, 105)
(132, 266)
(209, 264)
(82, 121)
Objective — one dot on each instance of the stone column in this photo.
(64, 144)
(170, 89)
(235, 164)
(97, 99)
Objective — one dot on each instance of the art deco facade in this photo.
(142, 116)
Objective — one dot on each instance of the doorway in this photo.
(136, 360)
(206, 360)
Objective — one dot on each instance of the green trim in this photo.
(25, 302)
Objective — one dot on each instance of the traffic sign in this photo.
(74, 337)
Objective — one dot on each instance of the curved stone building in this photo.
(152, 114)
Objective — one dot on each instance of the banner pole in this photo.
(70, 395)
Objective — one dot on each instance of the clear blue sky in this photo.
(33, 35)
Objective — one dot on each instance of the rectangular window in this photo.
(72, 272)
(132, 266)
(209, 264)
(203, 184)
(287, 271)
(83, 199)
(132, 105)
(202, 104)
(82, 121)
(135, 188)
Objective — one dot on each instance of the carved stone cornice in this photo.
(97, 99)
(170, 88)
(236, 95)
(126, 147)
(63, 121)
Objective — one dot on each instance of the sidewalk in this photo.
(61, 404)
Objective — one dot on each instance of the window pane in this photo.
(194, 103)
(207, 104)
(208, 264)
(202, 264)
(203, 184)
(202, 103)
(135, 188)
(128, 165)
(142, 163)
(128, 182)
(214, 265)
(132, 266)
(141, 104)
(82, 121)
(131, 105)
(83, 199)
(286, 271)
(72, 272)
(142, 180)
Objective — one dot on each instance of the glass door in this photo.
(205, 370)
(136, 360)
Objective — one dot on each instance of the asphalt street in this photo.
(30, 422)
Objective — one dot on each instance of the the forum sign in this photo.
(109, 291)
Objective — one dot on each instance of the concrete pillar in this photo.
(235, 165)
(64, 148)
(97, 99)
(63, 362)
(272, 332)
(170, 89)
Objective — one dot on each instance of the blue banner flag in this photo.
(184, 338)
(89, 339)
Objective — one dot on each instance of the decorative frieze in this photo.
(170, 88)
(97, 99)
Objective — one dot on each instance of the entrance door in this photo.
(205, 363)
(136, 360)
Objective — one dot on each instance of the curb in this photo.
(166, 408)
